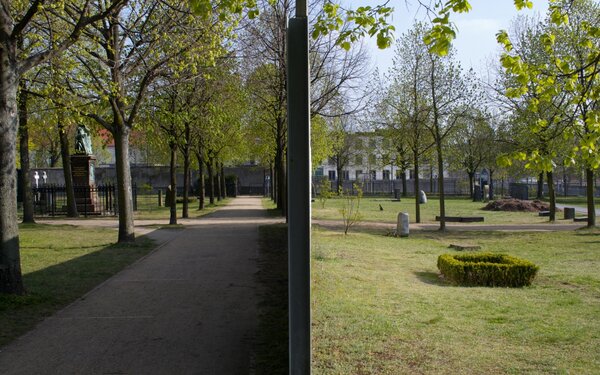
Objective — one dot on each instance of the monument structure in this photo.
(83, 165)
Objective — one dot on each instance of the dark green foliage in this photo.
(486, 269)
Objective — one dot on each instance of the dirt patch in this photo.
(517, 205)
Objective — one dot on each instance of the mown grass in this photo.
(379, 306)
(369, 207)
(148, 208)
(60, 263)
(577, 201)
(271, 207)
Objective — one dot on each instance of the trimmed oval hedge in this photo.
(487, 269)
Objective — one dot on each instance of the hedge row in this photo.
(486, 269)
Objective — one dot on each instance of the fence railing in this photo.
(98, 200)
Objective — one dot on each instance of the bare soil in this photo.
(517, 205)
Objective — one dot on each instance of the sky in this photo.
(476, 37)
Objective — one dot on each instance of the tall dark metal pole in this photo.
(299, 165)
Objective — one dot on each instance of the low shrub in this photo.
(486, 269)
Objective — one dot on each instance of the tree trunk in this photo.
(173, 183)
(281, 178)
(417, 188)
(125, 200)
(274, 185)
(271, 181)
(217, 182)
(491, 192)
(186, 182)
(431, 185)
(201, 190)
(211, 180)
(24, 155)
(565, 183)
(223, 185)
(66, 160)
(186, 171)
(471, 184)
(440, 161)
(340, 181)
(11, 280)
(404, 189)
(540, 186)
(591, 208)
(552, 196)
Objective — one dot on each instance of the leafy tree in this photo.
(471, 145)
(571, 45)
(22, 48)
(405, 102)
(450, 97)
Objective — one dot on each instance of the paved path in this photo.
(187, 308)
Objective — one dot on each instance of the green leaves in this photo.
(520, 4)
(364, 21)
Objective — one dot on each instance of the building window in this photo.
(386, 174)
(359, 160)
(398, 174)
(332, 175)
(372, 143)
(319, 172)
(345, 175)
(358, 173)
(372, 159)
(373, 175)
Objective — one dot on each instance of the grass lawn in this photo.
(60, 263)
(380, 308)
(369, 207)
(148, 208)
(576, 201)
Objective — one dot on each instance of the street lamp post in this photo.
(299, 165)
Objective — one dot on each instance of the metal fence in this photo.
(99, 200)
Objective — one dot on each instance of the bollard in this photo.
(402, 226)
(569, 213)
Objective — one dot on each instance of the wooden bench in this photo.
(461, 219)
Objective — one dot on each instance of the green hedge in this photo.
(486, 269)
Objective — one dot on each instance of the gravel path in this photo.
(187, 308)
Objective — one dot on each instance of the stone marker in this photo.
(402, 227)
(569, 213)
(422, 197)
(464, 247)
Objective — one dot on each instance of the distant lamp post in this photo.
(36, 177)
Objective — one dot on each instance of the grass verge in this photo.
(379, 306)
(148, 208)
(271, 207)
(60, 263)
(272, 338)
(455, 206)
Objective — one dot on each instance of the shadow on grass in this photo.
(431, 278)
(271, 349)
(54, 287)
